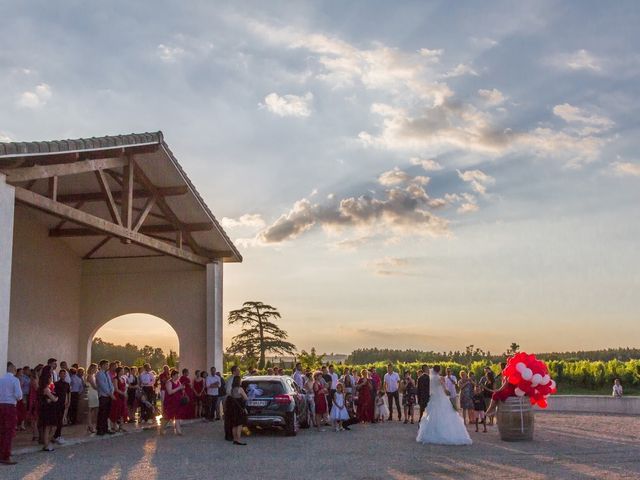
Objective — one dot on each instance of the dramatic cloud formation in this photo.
(35, 98)
(403, 209)
(289, 105)
(626, 168)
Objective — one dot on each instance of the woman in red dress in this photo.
(119, 405)
(187, 408)
(198, 393)
(320, 398)
(365, 402)
(171, 407)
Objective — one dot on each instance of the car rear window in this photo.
(262, 388)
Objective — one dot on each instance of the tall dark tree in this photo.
(259, 332)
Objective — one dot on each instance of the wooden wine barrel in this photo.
(515, 419)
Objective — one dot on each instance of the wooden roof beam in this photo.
(166, 228)
(117, 195)
(103, 226)
(59, 170)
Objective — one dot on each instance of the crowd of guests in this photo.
(364, 396)
(45, 399)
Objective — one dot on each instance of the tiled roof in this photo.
(93, 143)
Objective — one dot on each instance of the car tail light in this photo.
(282, 399)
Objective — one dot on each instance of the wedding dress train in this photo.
(442, 425)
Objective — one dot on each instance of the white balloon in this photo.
(520, 366)
(536, 379)
(519, 393)
(553, 384)
(527, 374)
(546, 379)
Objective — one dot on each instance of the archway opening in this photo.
(135, 339)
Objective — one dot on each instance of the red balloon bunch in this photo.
(529, 376)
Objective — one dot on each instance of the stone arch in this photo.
(156, 318)
(172, 291)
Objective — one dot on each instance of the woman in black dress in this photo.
(236, 409)
(48, 411)
(488, 384)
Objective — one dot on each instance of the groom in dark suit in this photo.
(423, 389)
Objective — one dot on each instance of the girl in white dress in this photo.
(442, 425)
(339, 410)
(92, 397)
(382, 412)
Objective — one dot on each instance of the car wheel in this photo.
(291, 428)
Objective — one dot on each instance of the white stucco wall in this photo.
(6, 241)
(165, 287)
(45, 294)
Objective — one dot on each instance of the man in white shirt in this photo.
(147, 382)
(53, 363)
(391, 382)
(10, 395)
(212, 384)
(298, 376)
(450, 382)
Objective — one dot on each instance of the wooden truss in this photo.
(126, 221)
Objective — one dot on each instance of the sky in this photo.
(396, 174)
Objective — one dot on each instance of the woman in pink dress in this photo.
(365, 402)
(198, 393)
(119, 405)
(187, 407)
(320, 398)
(171, 407)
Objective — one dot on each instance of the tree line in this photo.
(132, 355)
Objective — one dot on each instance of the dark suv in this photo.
(275, 401)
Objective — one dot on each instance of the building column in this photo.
(7, 202)
(214, 315)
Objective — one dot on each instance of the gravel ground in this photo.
(565, 446)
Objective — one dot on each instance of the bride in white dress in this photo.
(442, 425)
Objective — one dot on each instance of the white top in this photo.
(450, 382)
(10, 391)
(298, 378)
(391, 381)
(212, 383)
(617, 390)
(147, 379)
(334, 380)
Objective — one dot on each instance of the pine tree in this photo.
(259, 332)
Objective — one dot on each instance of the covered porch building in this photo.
(92, 229)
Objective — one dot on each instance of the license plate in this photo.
(257, 403)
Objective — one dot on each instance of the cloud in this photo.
(579, 60)
(169, 54)
(460, 70)
(478, 180)
(352, 244)
(5, 137)
(626, 168)
(393, 177)
(431, 55)
(380, 67)
(35, 98)
(592, 123)
(253, 220)
(394, 266)
(483, 42)
(468, 207)
(399, 210)
(427, 164)
(289, 105)
(492, 97)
